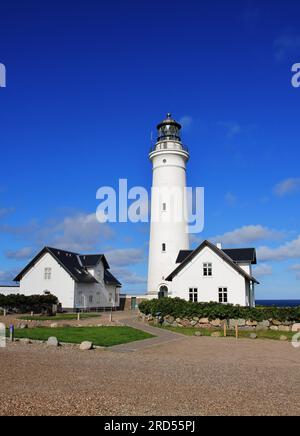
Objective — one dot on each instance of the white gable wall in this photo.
(224, 276)
(61, 283)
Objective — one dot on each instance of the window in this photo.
(164, 248)
(47, 273)
(47, 292)
(207, 269)
(164, 207)
(163, 292)
(193, 295)
(223, 295)
(90, 299)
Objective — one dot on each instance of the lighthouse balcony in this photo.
(171, 146)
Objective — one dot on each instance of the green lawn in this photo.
(190, 331)
(100, 336)
(60, 317)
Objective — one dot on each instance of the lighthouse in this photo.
(169, 218)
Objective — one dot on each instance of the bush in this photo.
(23, 304)
(185, 309)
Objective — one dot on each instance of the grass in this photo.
(100, 336)
(60, 317)
(268, 334)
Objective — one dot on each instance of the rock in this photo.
(232, 323)
(53, 342)
(265, 323)
(274, 328)
(253, 336)
(276, 322)
(216, 335)
(198, 334)
(284, 328)
(54, 325)
(22, 326)
(86, 346)
(241, 322)
(25, 341)
(196, 319)
(283, 338)
(100, 325)
(204, 321)
(174, 324)
(250, 323)
(170, 319)
(193, 323)
(178, 320)
(296, 328)
(216, 323)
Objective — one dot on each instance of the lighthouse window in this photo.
(164, 207)
(207, 269)
(164, 248)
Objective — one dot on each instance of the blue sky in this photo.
(87, 83)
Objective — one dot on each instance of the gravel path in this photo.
(196, 376)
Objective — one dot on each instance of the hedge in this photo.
(184, 309)
(23, 304)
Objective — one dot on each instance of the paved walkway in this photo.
(161, 337)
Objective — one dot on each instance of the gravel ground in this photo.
(195, 376)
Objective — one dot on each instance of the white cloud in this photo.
(296, 269)
(23, 253)
(187, 121)
(232, 128)
(78, 232)
(247, 235)
(263, 270)
(230, 199)
(286, 45)
(287, 186)
(125, 257)
(6, 277)
(6, 211)
(290, 250)
(127, 277)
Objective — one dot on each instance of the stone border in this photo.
(243, 324)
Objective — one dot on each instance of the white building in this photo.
(78, 281)
(207, 273)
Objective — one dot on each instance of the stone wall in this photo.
(243, 324)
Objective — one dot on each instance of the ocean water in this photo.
(278, 303)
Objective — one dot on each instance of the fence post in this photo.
(237, 330)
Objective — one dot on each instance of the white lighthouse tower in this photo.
(169, 228)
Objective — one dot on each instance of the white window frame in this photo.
(47, 273)
(194, 295)
(222, 291)
(207, 267)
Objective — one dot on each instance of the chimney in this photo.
(219, 245)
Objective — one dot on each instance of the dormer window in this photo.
(207, 270)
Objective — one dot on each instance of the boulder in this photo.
(204, 321)
(196, 319)
(178, 320)
(283, 338)
(54, 325)
(216, 335)
(53, 342)
(25, 341)
(265, 324)
(250, 323)
(216, 323)
(284, 328)
(22, 326)
(193, 323)
(253, 336)
(276, 322)
(86, 346)
(199, 334)
(296, 328)
(274, 328)
(170, 319)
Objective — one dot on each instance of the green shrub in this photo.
(185, 309)
(23, 304)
